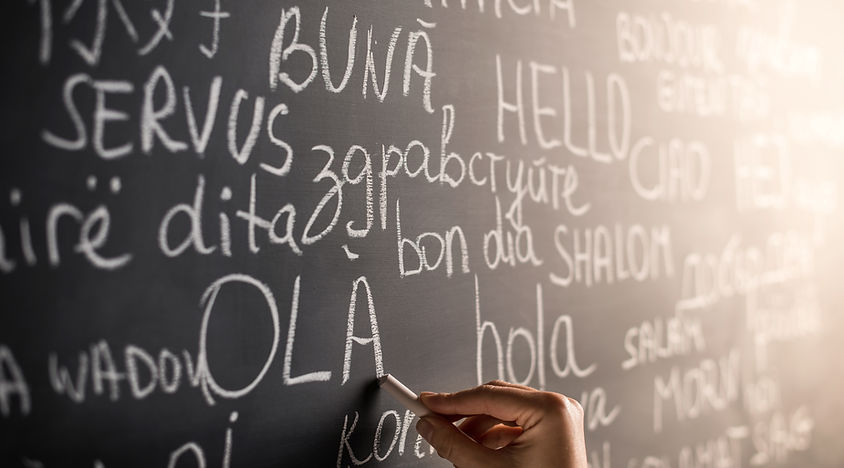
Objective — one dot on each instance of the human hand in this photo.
(506, 425)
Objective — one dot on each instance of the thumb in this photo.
(453, 445)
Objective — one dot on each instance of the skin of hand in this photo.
(505, 425)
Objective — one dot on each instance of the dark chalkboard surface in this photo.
(221, 220)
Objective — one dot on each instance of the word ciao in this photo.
(143, 372)
(676, 171)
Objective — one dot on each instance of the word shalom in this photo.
(603, 255)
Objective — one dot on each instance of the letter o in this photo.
(208, 299)
(376, 443)
(524, 333)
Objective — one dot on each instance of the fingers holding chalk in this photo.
(403, 395)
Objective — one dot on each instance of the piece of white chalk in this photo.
(403, 395)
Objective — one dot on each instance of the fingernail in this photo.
(425, 395)
(425, 428)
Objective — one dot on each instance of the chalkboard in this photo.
(220, 221)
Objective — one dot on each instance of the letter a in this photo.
(350, 330)
(12, 382)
